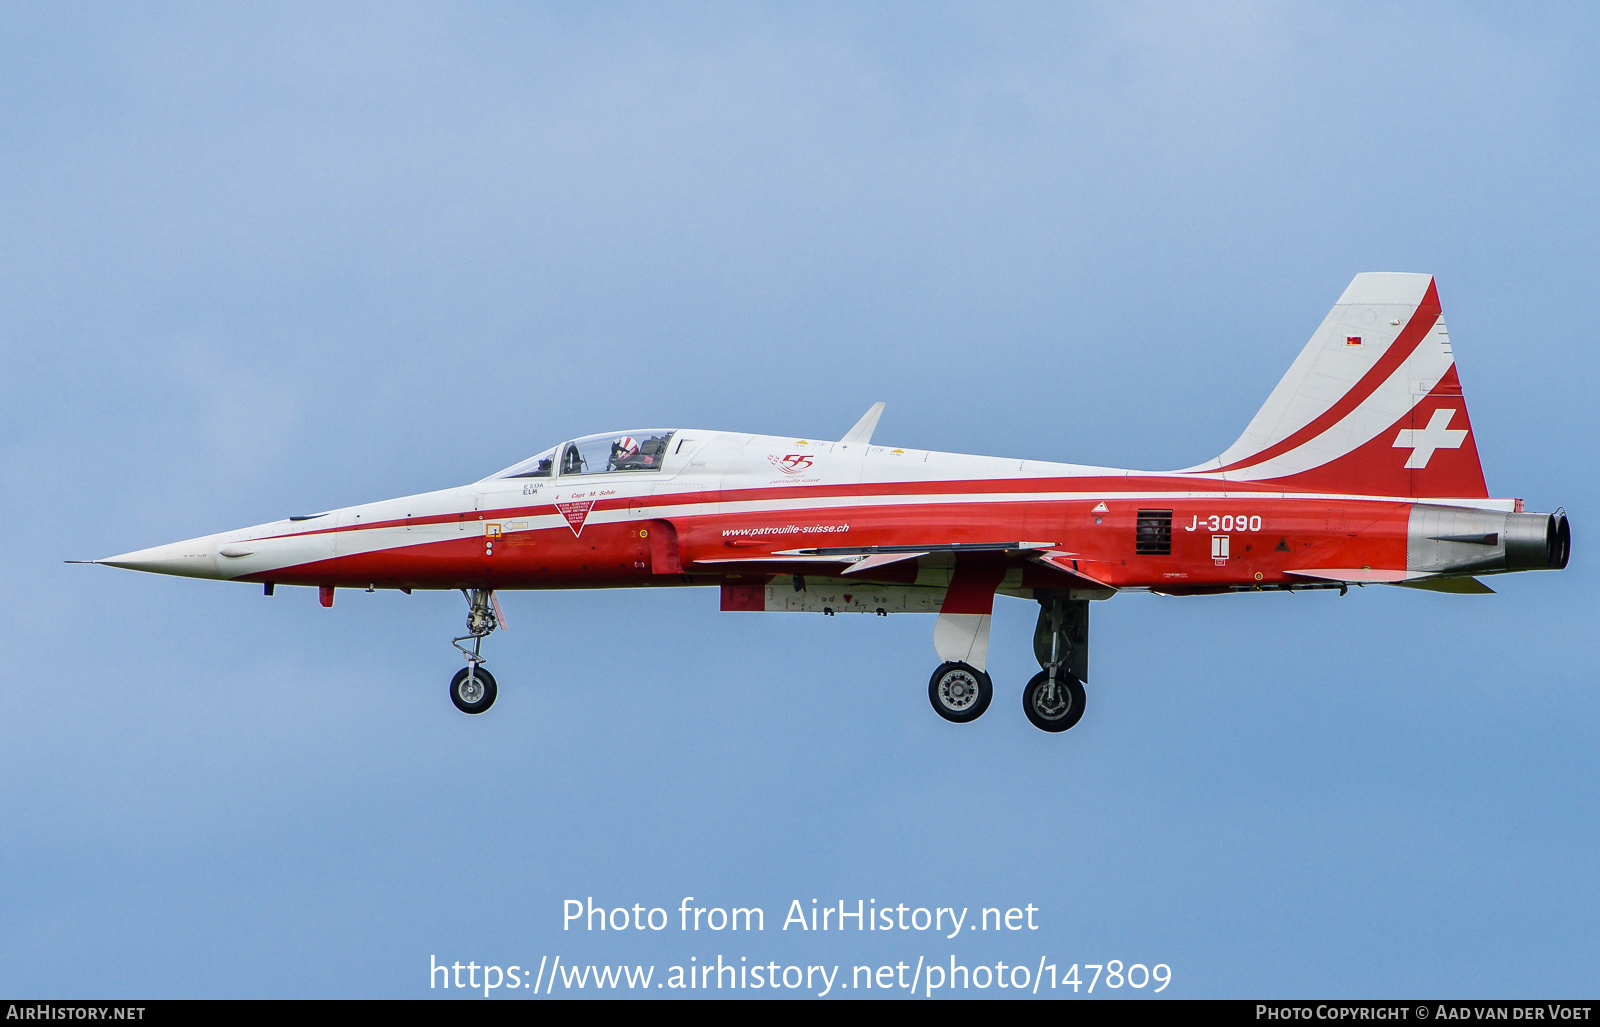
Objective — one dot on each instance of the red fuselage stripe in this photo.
(1110, 484)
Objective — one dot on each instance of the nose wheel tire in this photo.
(959, 692)
(474, 694)
(1056, 713)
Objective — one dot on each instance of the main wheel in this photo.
(473, 696)
(1059, 714)
(959, 692)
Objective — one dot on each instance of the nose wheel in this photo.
(473, 689)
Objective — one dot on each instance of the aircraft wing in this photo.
(864, 558)
(756, 560)
(919, 550)
(860, 559)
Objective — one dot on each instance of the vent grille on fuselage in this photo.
(1154, 533)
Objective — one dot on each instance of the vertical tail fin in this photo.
(1372, 406)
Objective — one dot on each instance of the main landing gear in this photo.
(959, 692)
(1053, 700)
(473, 689)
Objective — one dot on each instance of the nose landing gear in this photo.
(473, 688)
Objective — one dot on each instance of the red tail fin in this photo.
(1372, 406)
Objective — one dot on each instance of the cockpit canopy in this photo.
(643, 449)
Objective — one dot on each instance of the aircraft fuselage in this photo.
(726, 507)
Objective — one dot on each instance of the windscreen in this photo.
(541, 466)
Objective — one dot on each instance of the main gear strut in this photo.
(1054, 699)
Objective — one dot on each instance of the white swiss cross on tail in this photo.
(1437, 435)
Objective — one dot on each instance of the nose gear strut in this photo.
(473, 688)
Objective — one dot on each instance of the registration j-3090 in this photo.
(1224, 522)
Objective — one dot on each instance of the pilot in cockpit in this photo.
(624, 454)
(629, 454)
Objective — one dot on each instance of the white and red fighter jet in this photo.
(1361, 468)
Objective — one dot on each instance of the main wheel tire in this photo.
(959, 692)
(1066, 711)
(474, 696)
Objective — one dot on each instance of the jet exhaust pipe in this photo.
(1537, 542)
(1453, 540)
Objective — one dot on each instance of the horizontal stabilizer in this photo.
(1455, 586)
(1356, 575)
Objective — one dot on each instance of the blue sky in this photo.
(261, 260)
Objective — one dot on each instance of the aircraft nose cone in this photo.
(195, 558)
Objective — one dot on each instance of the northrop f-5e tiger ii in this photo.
(1362, 468)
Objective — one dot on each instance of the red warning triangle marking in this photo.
(576, 514)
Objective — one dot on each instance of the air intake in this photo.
(1153, 535)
